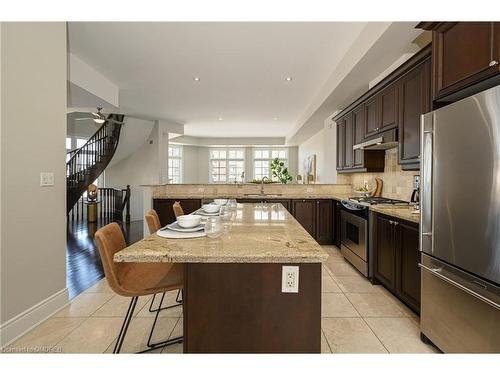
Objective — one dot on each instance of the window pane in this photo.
(80, 142)
(68, 143)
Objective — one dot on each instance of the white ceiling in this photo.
(242, 69)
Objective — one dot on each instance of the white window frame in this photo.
(172, 178)
(225, 161)
(268, 159)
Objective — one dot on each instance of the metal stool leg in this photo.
(161, 344)
(126, 322)
(179, 302)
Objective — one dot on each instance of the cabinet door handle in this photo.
(396, 223)
(493, 63)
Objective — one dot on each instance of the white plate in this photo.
(176, 227)
(167, 233)
(203, 213)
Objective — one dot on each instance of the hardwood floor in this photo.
(83, 263)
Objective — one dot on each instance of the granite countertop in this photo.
(337, 196)
(259, 233)
(401, 212)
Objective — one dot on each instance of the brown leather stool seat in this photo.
(135, 279)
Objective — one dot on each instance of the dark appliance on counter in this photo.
(354, 230)
(460, 225)
(415, 195)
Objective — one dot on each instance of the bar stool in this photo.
(135, 280)
(154, 225)
(178, 211)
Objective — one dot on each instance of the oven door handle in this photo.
(437, 272)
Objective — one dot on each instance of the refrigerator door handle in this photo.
(437, 272)
(426, 219)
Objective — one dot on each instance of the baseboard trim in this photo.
(24, 322)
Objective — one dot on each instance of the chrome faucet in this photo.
(262, 184)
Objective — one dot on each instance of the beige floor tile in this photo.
(101, 286)
(85, 304)
(336, 305)
(325, 348)
(374, 305)
(325, 272)
(138, 334)
(350, 335)
(399, 335)
(356, 284)
(92, 336)
(328, 285)
(405, 309)
(174, 312)
(175, 348)
(47, 334)
(341, 268)
(118, 306)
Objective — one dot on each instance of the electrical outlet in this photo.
(46, 179)
(290, 279)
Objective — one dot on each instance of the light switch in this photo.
(46, 179)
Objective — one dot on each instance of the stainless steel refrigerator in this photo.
(460, 225)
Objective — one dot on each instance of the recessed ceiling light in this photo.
(288, 79)
(197, 79)
(275, 118)
(220, 119)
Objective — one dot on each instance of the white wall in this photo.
(33, 131)
(140, 168)
(324, 145)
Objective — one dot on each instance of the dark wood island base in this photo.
(239, 308)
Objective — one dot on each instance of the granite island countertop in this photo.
(259, 233)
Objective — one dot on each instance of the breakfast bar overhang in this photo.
(233, 300)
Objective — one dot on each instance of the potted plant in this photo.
(280, 171)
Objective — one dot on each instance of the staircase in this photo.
(89, 161)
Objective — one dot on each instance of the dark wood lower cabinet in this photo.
(250, 314)
(396, 256)
(304, 211)
(317, 218)
(163, 208)
(407, 260)
(384, 254)
(337, 208)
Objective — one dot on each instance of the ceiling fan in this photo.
(98, 117)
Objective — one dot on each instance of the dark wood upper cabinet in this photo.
(464, 54)
(384, 253)
(304, 211)
(324, 221)
(348, 151)
(340, 143)
(414, 100)
(358, 125)
(372, 119)
(389, 108)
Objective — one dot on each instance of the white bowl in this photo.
(211, 208)
(220, 202)
(189, 221)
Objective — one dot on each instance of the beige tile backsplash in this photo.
(398, 184)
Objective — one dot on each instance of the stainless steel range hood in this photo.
(384, 141)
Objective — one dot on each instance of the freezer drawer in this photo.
(455, 317)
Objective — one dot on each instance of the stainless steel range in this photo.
(355, 230)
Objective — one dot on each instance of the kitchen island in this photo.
(233, 298)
